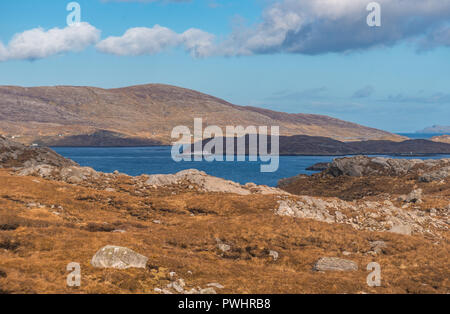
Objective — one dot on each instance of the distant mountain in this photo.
(146, 114)
(316, 145)
(435, 129)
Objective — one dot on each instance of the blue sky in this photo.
(287, 55)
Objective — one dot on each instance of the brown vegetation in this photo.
(44, 225)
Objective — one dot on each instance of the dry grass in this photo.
(37, 243)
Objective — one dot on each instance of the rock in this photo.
(208, 291)
(401, 229)
(118, 257)
(378, 246)
(195, 178)
(335, 264)
(436, 175)
(359, 166)
(320, 166)
(414, 196)
(223, 247)
(178, 285)
(16, 155)
(274, 254)
(215, 285)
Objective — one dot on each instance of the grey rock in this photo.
(208, 291)
(436, 175)
(335, 264)
(274, 254)
(118, 257)
(401, 229)
(215, 285)
(378, 246)
(414, 196)
(223, 247)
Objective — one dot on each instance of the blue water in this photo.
(157, 160)
(423, 136)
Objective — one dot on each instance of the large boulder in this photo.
(118, 257)
(335, 264)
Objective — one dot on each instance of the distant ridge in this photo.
(146, 114)
(322, 146)
(436, 129)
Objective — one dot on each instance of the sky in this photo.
(297, 56)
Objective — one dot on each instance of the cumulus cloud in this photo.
(148, 41)
(322, 26)
(38, 43)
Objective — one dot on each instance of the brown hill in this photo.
(62, 114)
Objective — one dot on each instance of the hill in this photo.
(68, 115)
(317, 145)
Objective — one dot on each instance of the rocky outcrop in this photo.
(200, 180)
(118, 257)
(71, 174)
(427, 170)
(320, 166)
(364, 215)
(16, 155)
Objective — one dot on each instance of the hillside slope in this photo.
(55, 114)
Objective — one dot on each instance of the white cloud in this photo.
(38, 44)
(148, 41)
(322, 26)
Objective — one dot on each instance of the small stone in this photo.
(414, 196)
(176, 285)
(208, 291)
(223, 247)
(215, 285)
(378, 246)
(274, 254)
